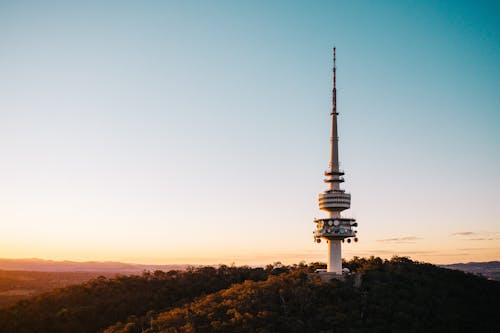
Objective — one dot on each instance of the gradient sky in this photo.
(198, 131)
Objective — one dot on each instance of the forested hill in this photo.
(94, 305)
(395, 295)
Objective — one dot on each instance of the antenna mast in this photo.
(334, 140)
(334, 92)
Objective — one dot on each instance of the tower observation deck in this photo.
(335, 229)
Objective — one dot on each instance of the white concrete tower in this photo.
(335, 228)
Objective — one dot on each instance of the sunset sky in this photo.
(198, 131)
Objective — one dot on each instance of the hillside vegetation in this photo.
(18, 285)
(396, 295)
(96, 304)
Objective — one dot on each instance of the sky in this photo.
(198, 131)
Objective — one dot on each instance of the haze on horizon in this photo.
(192, 132)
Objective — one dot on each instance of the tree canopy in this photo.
(396, 295)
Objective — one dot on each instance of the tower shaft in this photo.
(334, 263)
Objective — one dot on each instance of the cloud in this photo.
(408, 239)
(464, 233)
(478, 236)
(482, 239)
(393, 252)
(475, 249)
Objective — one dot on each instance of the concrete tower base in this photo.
(334, 256)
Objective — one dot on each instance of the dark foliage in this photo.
(395, 296)
(92, 306)
(18, 285)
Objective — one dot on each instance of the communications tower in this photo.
(335, 229)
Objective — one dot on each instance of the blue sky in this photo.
(193, 131)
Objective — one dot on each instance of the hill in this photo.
(42, 265)
(96, 304)
(18, 285)
(23, 278)
(396, 295)
(490, 269)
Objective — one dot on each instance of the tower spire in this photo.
(334, 140)
(334, 92)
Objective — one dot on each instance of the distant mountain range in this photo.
(41, 265)
(490, 269)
